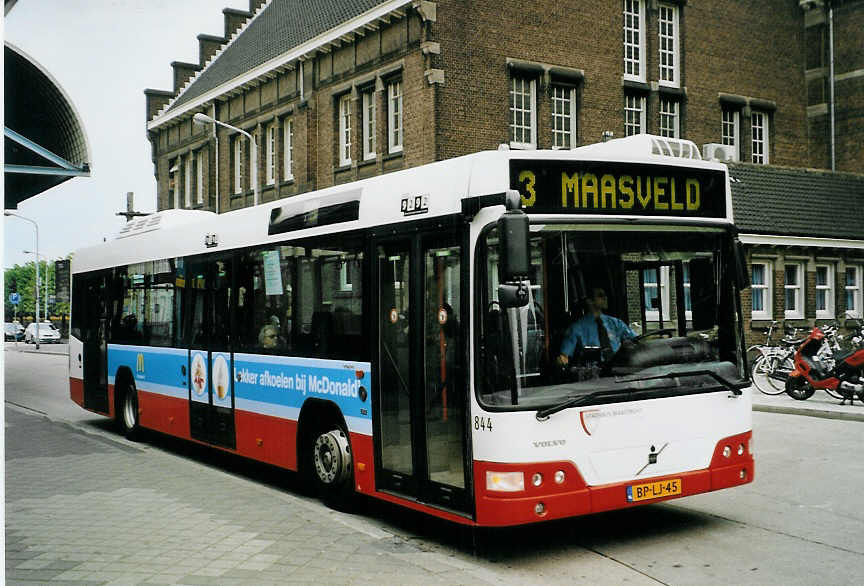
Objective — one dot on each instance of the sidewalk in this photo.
(821, 404)
(58, 349)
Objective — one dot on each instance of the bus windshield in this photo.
(615, 312)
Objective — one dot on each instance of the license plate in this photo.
(653, 490)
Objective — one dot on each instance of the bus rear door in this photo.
(207, 314)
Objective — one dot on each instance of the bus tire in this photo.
(127, 415)
(330, 466)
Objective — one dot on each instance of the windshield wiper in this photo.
(543, 414)
(728, 385)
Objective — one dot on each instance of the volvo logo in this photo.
(652, 457)
(549, 443)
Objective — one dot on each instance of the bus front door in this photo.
(211, 386)
(91, 295)
(420, 426)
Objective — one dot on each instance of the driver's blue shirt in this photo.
(583, 332)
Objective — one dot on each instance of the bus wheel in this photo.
(129, 412)
(332, 467)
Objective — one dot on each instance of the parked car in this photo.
(48, 334)
(13, 332)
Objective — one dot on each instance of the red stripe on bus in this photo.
(76, 390)
(574, 497)
(165, 414)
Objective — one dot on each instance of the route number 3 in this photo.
(482, 423)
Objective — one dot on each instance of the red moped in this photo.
(844, 377)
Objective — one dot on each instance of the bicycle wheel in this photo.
(777, 371)
(761, 379)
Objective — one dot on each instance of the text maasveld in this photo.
(617, 188)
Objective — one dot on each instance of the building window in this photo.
(634, 114)
(523, 112)
(668, 42)
(369, 130)
(394, 117)
(634, 24)
(853, 292)
(175, 183)
(345, 130)
(730, 130)
(824, 291)
(793, 284)
(669, 118)
(288, 149)
(270, 153)
(563, 117)
(760, 289)
(656, 293)
(237, 166)
(199, 177)
(187, 181)
(759, 128)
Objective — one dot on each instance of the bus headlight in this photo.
(537, 479)
(559, 477)
(505, 481)
(727, 451)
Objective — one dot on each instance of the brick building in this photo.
(335, 91)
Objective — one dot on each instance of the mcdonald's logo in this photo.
(139, 364)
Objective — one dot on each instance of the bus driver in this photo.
(596, 329)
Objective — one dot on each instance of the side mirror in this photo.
(513, 295)
(742, 276)
(515, 261)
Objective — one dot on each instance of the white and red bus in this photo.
(400, 336)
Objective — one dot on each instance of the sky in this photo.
(104, 54)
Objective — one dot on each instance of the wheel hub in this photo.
(332, 457)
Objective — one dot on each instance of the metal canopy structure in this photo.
(43, 136)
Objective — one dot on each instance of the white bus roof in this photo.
(428, 191)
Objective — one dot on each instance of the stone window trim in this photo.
(395, 121)
(635, 106)
(634, 42)
(826, 289)
(852, 289)
(344, 106)
(286, 136)
(796, 289)
(669, 44)
(522, 93)
(765, 288)
(669, 114)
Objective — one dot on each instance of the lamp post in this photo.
(38, 256)
(202, 119)
(35, 225)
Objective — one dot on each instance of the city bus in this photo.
(401, 336)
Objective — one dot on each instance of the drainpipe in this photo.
(831, 80)
(216, 157)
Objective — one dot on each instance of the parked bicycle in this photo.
(772, 362)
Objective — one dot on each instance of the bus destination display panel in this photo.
(614, 188)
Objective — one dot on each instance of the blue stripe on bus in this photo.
(289, 381)
(158, 370)
(270, 385)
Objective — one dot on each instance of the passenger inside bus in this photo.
(595, 329)
(268, 337)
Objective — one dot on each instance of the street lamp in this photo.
(202, 119)
(35, 225)
(38, 256)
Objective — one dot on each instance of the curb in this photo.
(840, 415)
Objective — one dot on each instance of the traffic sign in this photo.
(14, 298)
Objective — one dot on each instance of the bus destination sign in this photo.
(614, 188)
